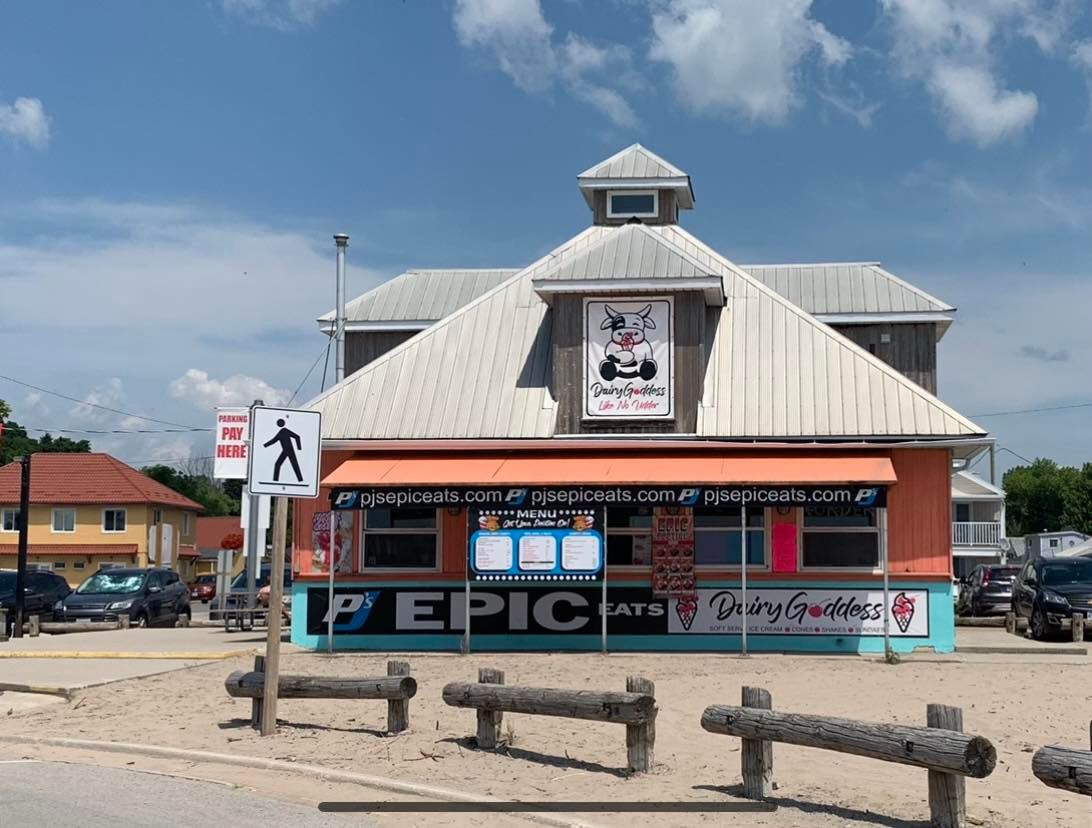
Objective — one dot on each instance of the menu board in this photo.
(536, 544)
(673, 552)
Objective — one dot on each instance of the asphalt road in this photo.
(52, 793)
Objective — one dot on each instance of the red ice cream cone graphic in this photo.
(686, 609)
(903, 610)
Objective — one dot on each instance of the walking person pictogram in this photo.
(286, 438)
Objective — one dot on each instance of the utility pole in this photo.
(24, 525)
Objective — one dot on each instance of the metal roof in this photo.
(966, 485)
(774, 371)
(636, 167)
(846, 288)
(420, 296)
(633, 257)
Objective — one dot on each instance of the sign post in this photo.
(283, 461)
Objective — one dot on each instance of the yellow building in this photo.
(88, 511)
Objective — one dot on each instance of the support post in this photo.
(640, 738)
(34, 625)
(888, 653)
(1010, 622)
(489, 722)
(397, 709)
(466, 616)
(756, 755)
(21, 559)
(743, 577)
(273, 619)
(331, 565)
(1077, 623)
(3, 625)
(123, 621)
(256, 703)
(341, 240)
(947, 791)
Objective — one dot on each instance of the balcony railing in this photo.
(978, 533)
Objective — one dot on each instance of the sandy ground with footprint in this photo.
(556, 759)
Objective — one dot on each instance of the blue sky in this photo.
(171, 173)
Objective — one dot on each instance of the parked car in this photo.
(203, 589)
(987, 590)
(42, 590)
(150, 597)
(1049, 590)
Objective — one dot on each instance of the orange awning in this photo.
(609, 470)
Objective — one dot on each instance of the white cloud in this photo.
(205, 392)
(279, 14)
(521, 40)
(952, 47)
(25, 120)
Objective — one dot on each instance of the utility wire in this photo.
(100, 407)
(325, 365)
(324, 352)
(1032, 410)
(21, 427)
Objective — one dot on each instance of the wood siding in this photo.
(690, 360)
(668, 212)
(919, 509)
(362, 347)
(912, 349)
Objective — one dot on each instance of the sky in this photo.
(171, 174)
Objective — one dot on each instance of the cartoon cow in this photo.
(628, 354)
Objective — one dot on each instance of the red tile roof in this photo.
(71, 549)
(188, 551)
(211, 530)
(87, 479)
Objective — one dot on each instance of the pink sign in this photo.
(784, 547)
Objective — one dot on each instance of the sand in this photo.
(561, 759)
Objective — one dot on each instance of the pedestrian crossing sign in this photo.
(284, 452)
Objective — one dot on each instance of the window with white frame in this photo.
(401, 539)
(629, 536)
(840, 537)
(9, 520)
(78, 564)
(633, 203)
(113, 520)
(718, 541)
(187, 523)
(60, 565)
(64, 520)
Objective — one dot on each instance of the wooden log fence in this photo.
(1077, 621)
(1069, 769)
(941, 748)
(491, 698)
(396, 688)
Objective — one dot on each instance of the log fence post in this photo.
(756, 755)
(397, 709)
(256, 702)
(1010, 623)
(3, 625)
(123, 621)
(947, 791)
(35, 625)
(1077, 623)
(489, 722)
(641, 738)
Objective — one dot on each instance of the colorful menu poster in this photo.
(321, 537)
(536, 544)
(673, 553)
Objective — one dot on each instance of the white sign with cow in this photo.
(628, 359)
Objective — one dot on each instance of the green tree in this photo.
(1046, 497)
(196, 487)
(16, 440)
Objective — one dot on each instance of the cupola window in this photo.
(633, 203)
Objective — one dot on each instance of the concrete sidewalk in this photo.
(994, 640)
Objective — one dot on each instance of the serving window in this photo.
(629, 536)
(717, 540)
(401, 539)
(840, 537)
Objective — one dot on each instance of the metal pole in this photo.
(342, 242)
(743, 576)
(253, 550)
(273, 620)
(335, 520)
(603, 611)
(886, 585)
(24, 526)
(466, 613)
(993, 464)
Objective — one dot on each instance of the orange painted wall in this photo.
(919, 512)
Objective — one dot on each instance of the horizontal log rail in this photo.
(942, 748)
(635, 708)
(397, 688)
(1066, 768)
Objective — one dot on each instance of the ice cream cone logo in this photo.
(903, 610)
(686, 609)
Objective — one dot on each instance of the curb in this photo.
(1017, 650)
(159, 656)
(314, 771)
(39, 689)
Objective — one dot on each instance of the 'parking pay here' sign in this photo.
(232, 440)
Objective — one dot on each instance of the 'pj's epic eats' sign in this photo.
(628, 358)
